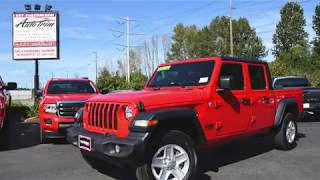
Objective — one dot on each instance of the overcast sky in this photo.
(85, 24)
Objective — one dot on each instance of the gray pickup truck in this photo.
(311, 95)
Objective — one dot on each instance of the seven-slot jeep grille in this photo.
(102, 115)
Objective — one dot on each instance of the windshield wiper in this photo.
(177, 84)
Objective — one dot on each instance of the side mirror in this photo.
(225, 83)
(11, 86)
(39, 93)
(104, 91)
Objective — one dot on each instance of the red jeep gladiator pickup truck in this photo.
(185, 105)
(4, 102)
(62, 98)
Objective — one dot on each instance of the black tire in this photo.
(42, 137)
(173, 137)
(280, 139)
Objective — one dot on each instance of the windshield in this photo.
(188, 74)
(70, 87)
(291, 82)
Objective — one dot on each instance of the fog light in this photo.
(48, 121)
(117, 148)
(113, 149)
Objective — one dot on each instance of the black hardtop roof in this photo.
(238, 59)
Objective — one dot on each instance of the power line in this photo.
(231, 33)
(128, 34)
(176, 17)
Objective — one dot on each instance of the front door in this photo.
(2, 106)
(232, 107)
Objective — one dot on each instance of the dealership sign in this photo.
(35, 35)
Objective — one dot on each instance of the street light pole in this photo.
(128, 48)
(36, 81)
(231, 31)
(96, 61)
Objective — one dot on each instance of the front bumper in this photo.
(131, 149)
(54, 125)
(311, 106)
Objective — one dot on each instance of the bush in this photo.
(111, 82)
(298, 61)
(24, 110)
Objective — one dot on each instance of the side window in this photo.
(257, 78)
(235, 71)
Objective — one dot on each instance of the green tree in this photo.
(290, 29)
(111, 82)
(178, 49)
(298, 61)
(213, 40)
(316, 28)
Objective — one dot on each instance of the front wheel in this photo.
(42, 137)
(174, 157)
(285, 138)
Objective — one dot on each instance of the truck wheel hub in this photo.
(170, 162)
(291, 132)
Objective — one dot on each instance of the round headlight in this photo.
(128, 112)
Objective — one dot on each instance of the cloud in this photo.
(77, 33)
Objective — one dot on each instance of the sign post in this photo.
(35, 37)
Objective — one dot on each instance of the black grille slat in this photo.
(89, 112)
(92, 114)
(110, 116)
(105, 118)
(100, 116)
(96, 114)
(115, 123)
(69, 108)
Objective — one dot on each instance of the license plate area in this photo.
(84, 142)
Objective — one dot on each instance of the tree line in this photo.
(294, 53)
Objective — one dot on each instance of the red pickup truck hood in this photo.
(155, 98)
(67, 97)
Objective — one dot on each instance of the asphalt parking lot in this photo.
(21, 157)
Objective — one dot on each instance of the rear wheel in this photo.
(174, 157)
(285, 138)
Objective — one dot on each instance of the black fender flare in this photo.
(169, 116)
(285, 105)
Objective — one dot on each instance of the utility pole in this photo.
(231, 31)
(96, 61)
(36, 81)
(128, 48)
(128, 34)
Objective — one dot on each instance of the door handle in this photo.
(245, 101)
(265, 100)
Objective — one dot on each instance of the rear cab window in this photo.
(257, 77)
(291, 82)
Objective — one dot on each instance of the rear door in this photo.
(232, 110)
(2, 103)
(261, 98)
